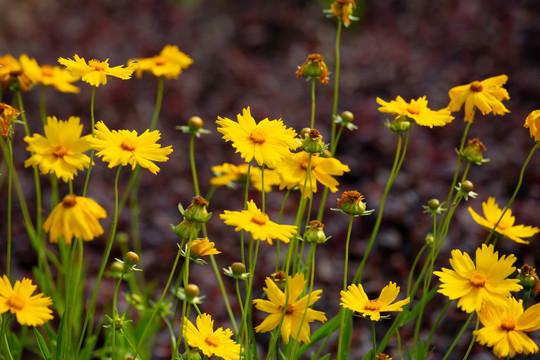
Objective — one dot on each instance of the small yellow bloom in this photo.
(505, 327)
(485, 95)
(169, 63)
(483, 282)
(258, 224)
(95, 72)
(75, 216)
(31, 310)
(416, 110)
(533, 124)
(47, 75)
(298, 314)
(212, 343)
(124, 147)
(506, 227)
(11, 73)
(203, 247)
(356, 300)
(7, 113)
(227, 174)
(268, 142)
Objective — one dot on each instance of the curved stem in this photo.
(157, 107)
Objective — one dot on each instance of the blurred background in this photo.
(245, 54)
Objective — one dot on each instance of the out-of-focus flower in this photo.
(314, 68)
(61, 150)
(7, 114)
(75, 216)
(505, 227)
(532, 122)
(352, 203)
(298, 314)
(342, 9)
(203, 247)
(227, 174)
(95, 72)
(268, 142)
(474, 284)
(124, 147)
(11, 74)
(485, 95)
(169, 63)
(48, 75)
(417, 110)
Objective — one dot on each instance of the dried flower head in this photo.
(314, 68)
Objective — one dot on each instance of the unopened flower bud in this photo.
(279, 278)
(131, 258)
(304, 132)
(314, 233)
(314, 68)
(467, 186)
(434, 204)
(117, 267)
(473, 151)
(347, 117)
(192, 354)
(400, 124)
(528, 279)
(238, 268)
(351, 203)
(118, 323)
(195, 123)
(313, 142)
(191, 290)
(430, 239)
(186, 229)
(196, 211)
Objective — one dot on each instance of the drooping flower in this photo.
(48, 75)
(7, 113)
(356, 300)
(485, 282)
(532, 122)
(169, 63)
(268, 142)
(506, 227)
(31, 310)
(342, 9)
(124, 147)
(75, 216)
(293, 172)
(203, 247)
(485, 95)
(314, 68)
(227, 174)
(61, 150)
(505, 328)
(298, 314)
(258, 224)
(211, 343)
(417, 110)
(95, 72)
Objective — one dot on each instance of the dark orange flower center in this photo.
(476, 86)
(373, 305)
(413, 109)
(159, 60)
(212, 340)
(305, 163)
(97, 65)
(508, 323)
(47, 70)
(290, 309)
(259, 219)
(128, 145)
(257, 136)
(59, 151)
(69, 201)
(15, 302)
(478, 279)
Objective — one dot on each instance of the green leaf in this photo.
(43, 349)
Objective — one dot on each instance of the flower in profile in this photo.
(505, 327)
(417, 110)
(352, 203)
(505, 227)
(342, 9)
(474, 284)
(11, 74)
(7, 114)
(48, 75)
(314, 68)
(258, 224)
(61, 150)
(203, 247)
(298, 314)
(485, 95)
(212, 343)
(268, 142)
(355, 299)
(75, 216)
(95, 72)
(31, 310)
(169, 63)
(532, 122)
(124, 147)
(293, 172)
(227, 174)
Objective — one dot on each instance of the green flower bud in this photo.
(196, 211)
(314, 233)
(467, 186)
(195, 123)
(401, 123)
(528, 278)
(351, 203)
(191, 290)
(347, 117)
(238, 268)
(131, 258)
(313, 142)
(186, 229)
(473, 151)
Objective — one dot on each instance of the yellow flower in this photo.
(343, 9)
(95, 72)
(268, 142)
(169, 63)
(31, 310)
(212, 343)
(297, 309)
(203, 247)
(124, 147)
(485, 95)
(7, 113)
(258, 224)
(11, 73)
(75, 216)
(48, 75)
(475, 284)
(356, 300)
(227, 173)
(60, 150)
(505, 327)
(416, 110)
(293, 172)
(506, 227)
(533, 124)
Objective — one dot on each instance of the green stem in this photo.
(114, 314)
(192, 163)
(473, 339)
(374, 336)
(157, 107)
(10, 183)
(454, 343)
(92, 118)
(312, 103)
(336, 84)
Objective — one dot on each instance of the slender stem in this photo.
(42, 105)
(454, 343)
(192, 162)
(92, 118)
(473, 339)
(10, 183)
(115, 313)
(374, 336)
(342, 321)
(336, 82)
(157, 107)
(313, 103)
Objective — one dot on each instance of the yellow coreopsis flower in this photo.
(533, 124)
(212, 343)
(505, 327)
(485, 95)
(169, 63)
(342, 9)
(474, 284)
(31, 310)
(227, 173)
(95, 72)
(7, 113)
(268, 142)
(258, 224)
(61, 150)
(293, 172)
(75, 216)
(356, 300)
(298, 314)
(203, 247)
(11, 72)
(124, 147)
(417, 110)
(47, 75)
(506, 227)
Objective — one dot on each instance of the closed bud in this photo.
(313, 142)
(434, 204)
(351, 203)
(186, 229)
(117, 267)
(304, 132)
(528, 279)
(430, 239)
(314, 233)
(131, 258)
(400, 124)
(473, 151)
(191, 290)
(238, 268)
(467, 186)
(195, 123)
(347, 117)
(196, 211)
